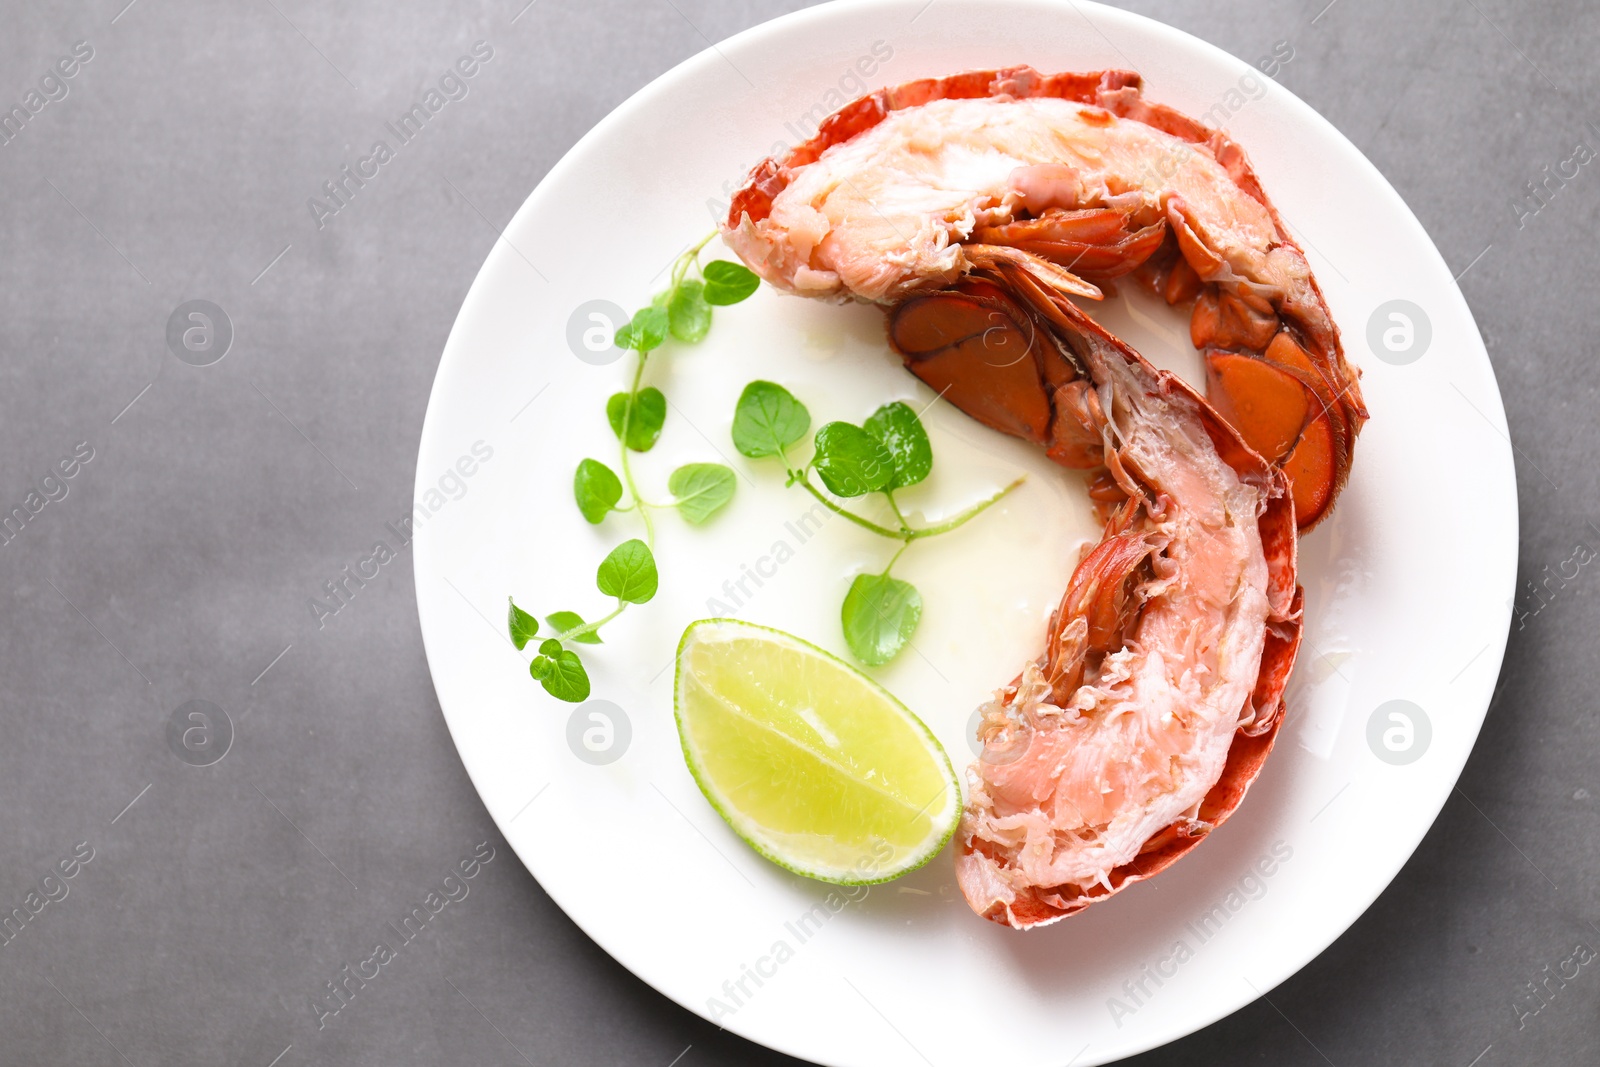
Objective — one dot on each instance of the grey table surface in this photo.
(208, 904)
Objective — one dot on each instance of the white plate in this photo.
(1408, 587)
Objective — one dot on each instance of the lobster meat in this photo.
(975, 209)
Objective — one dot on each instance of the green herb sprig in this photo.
(682, 311)
(629, 573)
(888, 452)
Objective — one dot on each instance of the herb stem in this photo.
(680, 268)
(907, 533)
(590, 627)
(627, 471)
(965, 516)
(895, 558)
(905, 526)
(866, 524)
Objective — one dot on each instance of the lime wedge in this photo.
(810, 761)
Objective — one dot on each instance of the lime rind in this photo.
(766, 841)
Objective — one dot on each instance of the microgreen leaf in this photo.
(702, 489)
(649, 415)
(629, 573)
(688, 314)
(523, 626)
(562, 621)
(897, 428)
(880, 614)
(850, 461)
(596, 488)
(728, 282)
(767, 420)
(646, 331)
(563, 676)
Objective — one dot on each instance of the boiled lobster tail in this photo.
(1275, 365)
(1041, 352)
